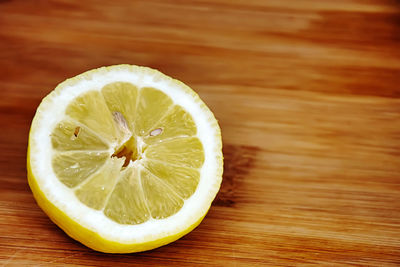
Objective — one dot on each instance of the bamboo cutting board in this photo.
(307, 94)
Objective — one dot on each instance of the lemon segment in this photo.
(176, 123)
(95, 190)
(182, 180)
(71, 135)
(161, 199)
(127, 204)
(91, 110)
(72, 168)
(152, 105)
(121, 97)
(185, 152)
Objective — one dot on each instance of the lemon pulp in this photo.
(128, 152)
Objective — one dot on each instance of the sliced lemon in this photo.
(124, 158)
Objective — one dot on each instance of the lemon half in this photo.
(124, 158)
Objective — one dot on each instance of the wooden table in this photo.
(307, 94)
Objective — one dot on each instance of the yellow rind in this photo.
(86, 236)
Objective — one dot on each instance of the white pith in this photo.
(52, 110)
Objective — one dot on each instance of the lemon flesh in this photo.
(126, 163)
(167, 156)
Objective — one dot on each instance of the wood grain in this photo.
(307, 96)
